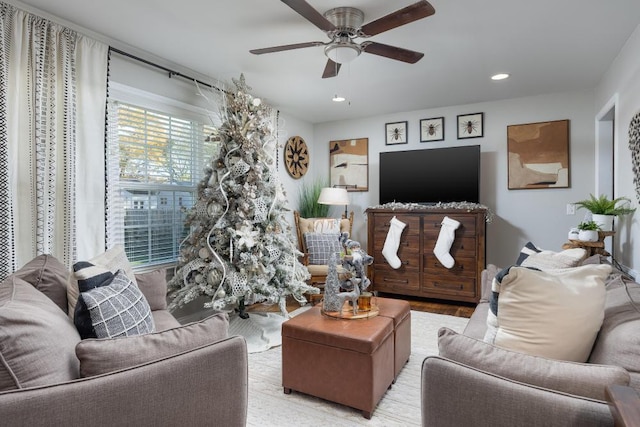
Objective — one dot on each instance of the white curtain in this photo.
(52, 111)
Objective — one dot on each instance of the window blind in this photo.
(154, 163)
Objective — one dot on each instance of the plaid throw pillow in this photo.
(116, 308)
(320, 246)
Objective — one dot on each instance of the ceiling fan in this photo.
(344, 24)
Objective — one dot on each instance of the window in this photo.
(155, 161)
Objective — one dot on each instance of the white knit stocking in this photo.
(445, 240)
(391, 244)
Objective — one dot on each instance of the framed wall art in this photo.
(396, 133)
(432, 129)
(538, 155)
(470, 125)
(349, 164)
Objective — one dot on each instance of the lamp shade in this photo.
(342, 53)
(333, 196)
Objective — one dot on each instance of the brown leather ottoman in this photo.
(345, 361)
(400, 312)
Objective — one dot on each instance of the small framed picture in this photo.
(396, 133)
(470, 125)
(432, 129)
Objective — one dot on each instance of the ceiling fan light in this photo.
(342, 53)
(338, 98)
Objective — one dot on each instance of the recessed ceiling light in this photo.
(500, 76)
(338, 98)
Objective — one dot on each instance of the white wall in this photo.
(622, 83)
(290, 126)
(521, 215)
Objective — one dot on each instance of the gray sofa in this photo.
(190, 374)
(474, 383)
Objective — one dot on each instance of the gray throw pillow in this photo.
(37, 339)
(49, 276)
(100, 356)
(320, 246)
(116, 309)
(153, 285)
(581, 379)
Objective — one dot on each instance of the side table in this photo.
(592, 248)
(624, 404)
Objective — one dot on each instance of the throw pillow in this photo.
(114, 259)
(88, 276)
(117, 308)
(153, 286)
(320, 246)
(49, 276)
(37, 340)
(103, 356)
(548, 260)
(528, 249)
(580, 379)
(555, 314)
(326, 225)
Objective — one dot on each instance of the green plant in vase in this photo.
(604, 206)
(588, 231)
(604, 209)
(308, 205)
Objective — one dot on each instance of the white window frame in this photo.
(115, 205)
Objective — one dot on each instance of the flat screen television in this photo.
(430, 176)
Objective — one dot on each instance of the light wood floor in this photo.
(418, 304)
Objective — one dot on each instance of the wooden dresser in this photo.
(421, 274)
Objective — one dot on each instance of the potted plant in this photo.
(603, 209)
(588, 231)
(308, 205)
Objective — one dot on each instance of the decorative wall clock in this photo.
(296, 157)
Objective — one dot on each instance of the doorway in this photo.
(605, 158)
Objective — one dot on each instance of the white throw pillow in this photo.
(555, 314)
(546, 260)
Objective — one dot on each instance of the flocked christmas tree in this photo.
(240, 248)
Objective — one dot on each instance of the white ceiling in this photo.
(547, 46)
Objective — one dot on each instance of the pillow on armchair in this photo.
(320, 246)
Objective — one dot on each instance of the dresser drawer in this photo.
(433, 223)
(461, 247)
(450, 286)
(409, 259)
(381, 225)
(396, 280)
(463, 266)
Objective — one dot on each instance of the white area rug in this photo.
(400, 406)
(262, 331)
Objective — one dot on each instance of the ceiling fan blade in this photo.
(331, 69)
(411, 13)
(392, 52)
(310, 14)
(284, 47)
